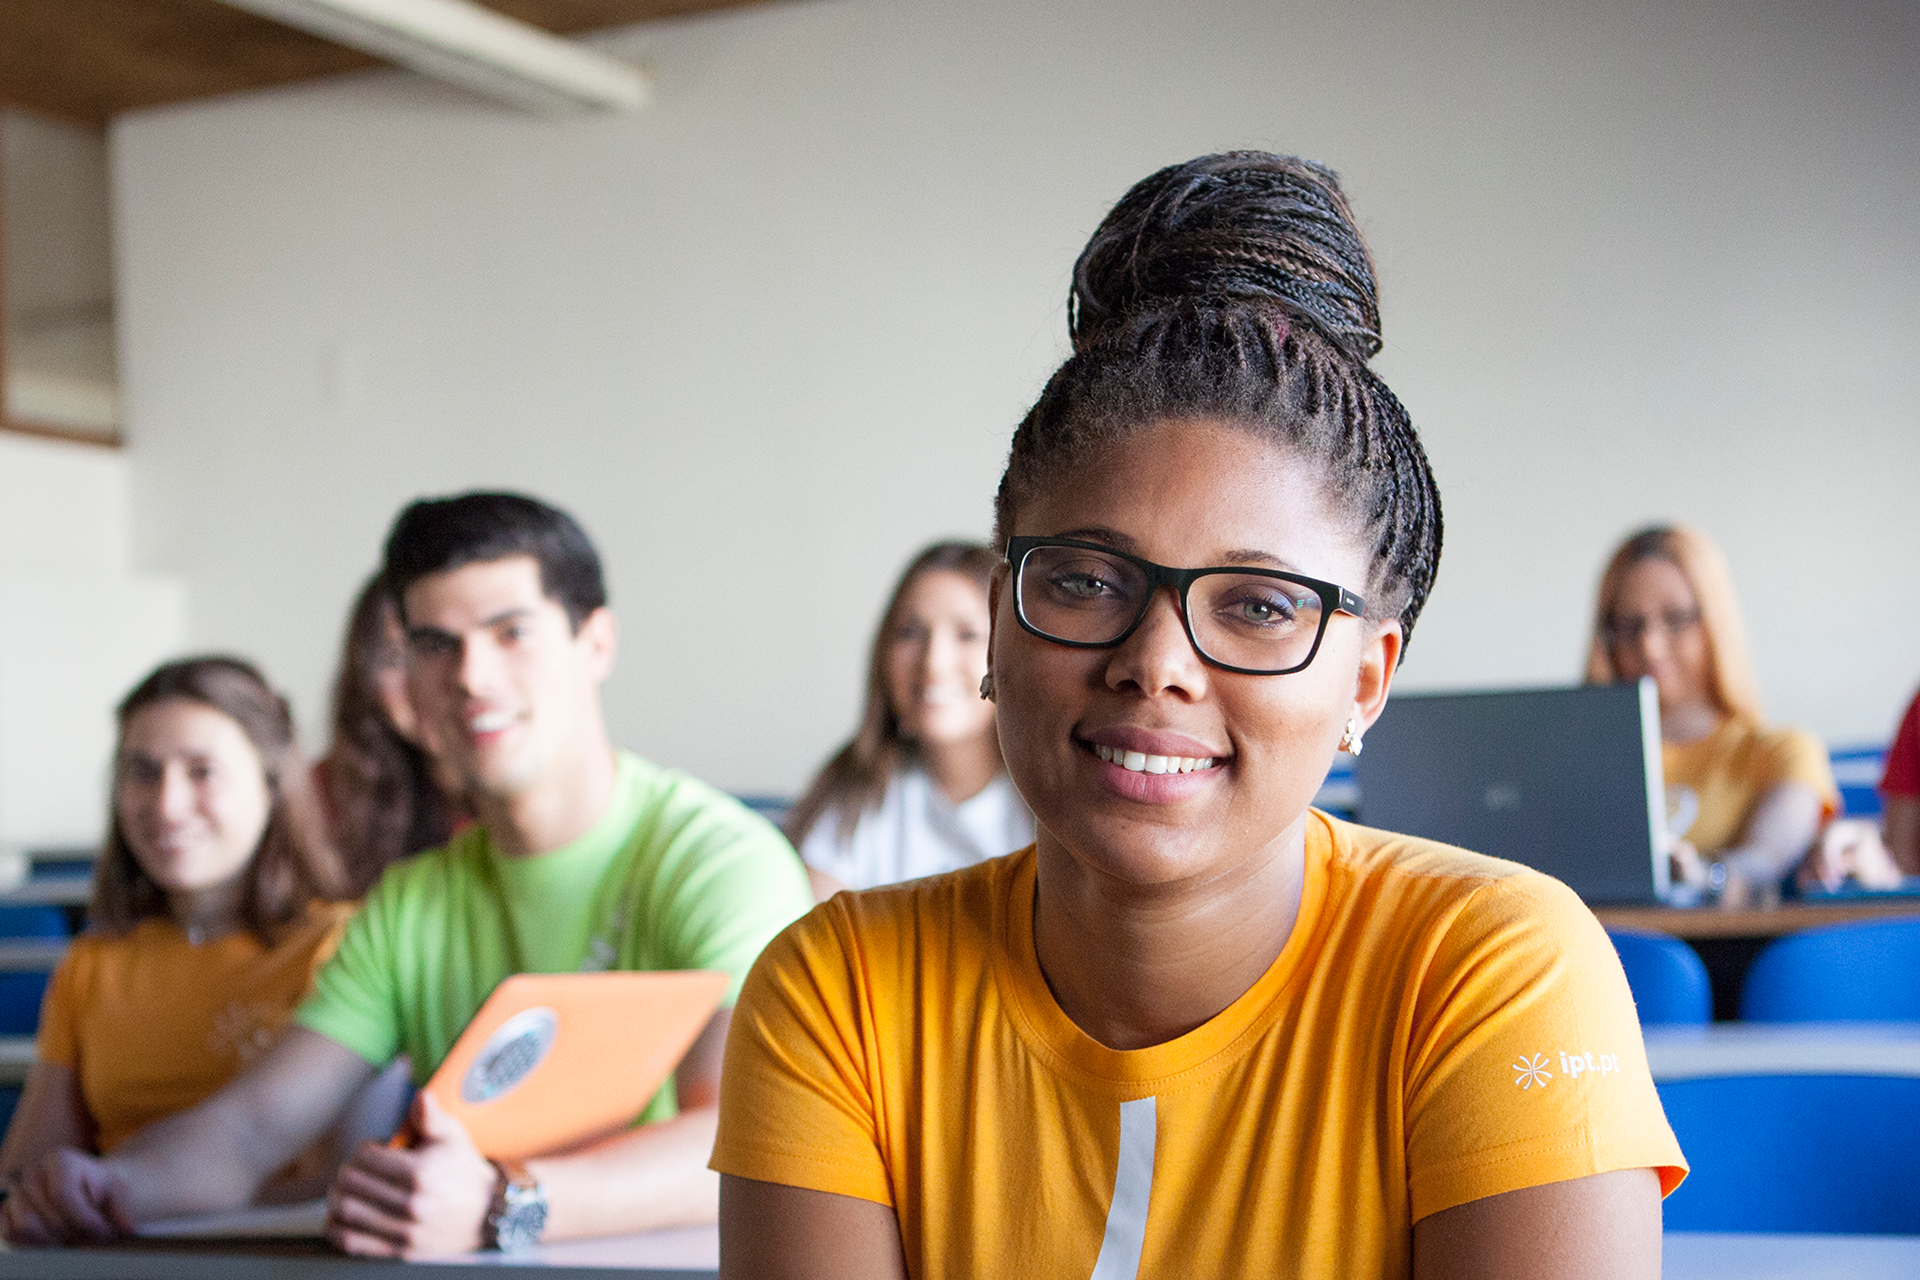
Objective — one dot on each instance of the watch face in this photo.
(520, 1221)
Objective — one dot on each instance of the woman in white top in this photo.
(921, 788)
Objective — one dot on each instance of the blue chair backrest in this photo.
(1836, 1154)
(1857, 770)
(32, 920)
(1842, 973)
(20, 995)
(1668, 980)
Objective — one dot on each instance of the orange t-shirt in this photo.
(1439, 1027)
(1731, 770)
(152, 1024)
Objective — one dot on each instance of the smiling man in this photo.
(583, 858)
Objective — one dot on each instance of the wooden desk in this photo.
(1788, 917)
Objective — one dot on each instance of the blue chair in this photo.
(1866, 972)
(1830, 1154)
(1668, 981)
(31, 920)
(1857, 770)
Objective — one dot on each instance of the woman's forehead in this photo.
(1193, 493)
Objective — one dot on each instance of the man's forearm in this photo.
(216, 1155)
(194, 1161)
(656, 1176)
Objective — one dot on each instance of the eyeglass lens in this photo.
(1626, 628)
(1238, 619)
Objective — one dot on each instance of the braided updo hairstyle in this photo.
(1236, 288)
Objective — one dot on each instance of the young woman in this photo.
(921, 788)
(1200, 1029)
(377, 783)
(210, 914)
(1747, 801)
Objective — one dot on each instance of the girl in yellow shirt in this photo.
(1747, 800)
(1199, 1029)
(209, 917)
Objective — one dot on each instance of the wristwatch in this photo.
(519, 1211)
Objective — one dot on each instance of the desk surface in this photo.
(1788, 917)
(1784, 1048)
(1685, 1255)
(1709, 1255)
(691, 1253)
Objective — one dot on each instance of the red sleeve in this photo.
(1903, 761)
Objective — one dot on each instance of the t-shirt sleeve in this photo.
(58, 1040)
(355, 996)
(1796, 756)
(1902, 777)
(796, 1096)
(732, 886)
(1527, 1065)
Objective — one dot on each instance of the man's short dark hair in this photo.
(437, 535)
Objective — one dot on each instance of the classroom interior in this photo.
(771, 331)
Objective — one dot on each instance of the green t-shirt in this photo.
(674, 875)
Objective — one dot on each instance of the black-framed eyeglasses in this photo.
(1630, 628)
(1260, 622)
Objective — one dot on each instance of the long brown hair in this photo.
(1731, 683)
(292, 866)
(382, 801)
(855, 778)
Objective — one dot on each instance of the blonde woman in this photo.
(920, 789)
(1748, 799)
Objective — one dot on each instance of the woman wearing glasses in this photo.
(1200, 1029)
(1745, 801)
(920, 789)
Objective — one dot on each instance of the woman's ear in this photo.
(1378, 662)
(996, 585)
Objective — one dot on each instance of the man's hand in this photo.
(426, 1202)
(68, 1197)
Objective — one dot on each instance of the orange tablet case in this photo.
(555, 1060)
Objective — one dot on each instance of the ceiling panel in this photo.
(84, 60)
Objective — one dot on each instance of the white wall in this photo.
(772, 334)
(76, 630)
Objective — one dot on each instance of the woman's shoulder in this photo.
(899, 928)
(1406, 883)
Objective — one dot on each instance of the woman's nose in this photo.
(1159, 657)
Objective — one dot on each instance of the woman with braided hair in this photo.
(1200, 1029)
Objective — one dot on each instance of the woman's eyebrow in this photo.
(1266, 558)
(1110, 537)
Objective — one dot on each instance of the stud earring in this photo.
(986, 687)
(1350, 740)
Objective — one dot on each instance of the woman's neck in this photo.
(1135, 966)
(206, 914)
(1690, 722)
(962, 770)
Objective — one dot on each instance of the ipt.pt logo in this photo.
(1531, 1071)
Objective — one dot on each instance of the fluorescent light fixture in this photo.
(474, 47)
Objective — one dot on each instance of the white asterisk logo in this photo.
(1532, 1071)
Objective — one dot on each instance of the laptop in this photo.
(554, 1061)
(1567, 781)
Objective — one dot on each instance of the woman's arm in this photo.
(1778, 835)
(773, 1232)
(1604, 1225)
(51, 1114)
(1901, 823)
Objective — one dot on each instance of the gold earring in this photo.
(986, 687)
(1350, 740)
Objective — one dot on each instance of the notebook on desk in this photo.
(1567, 781)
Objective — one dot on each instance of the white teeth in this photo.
(1141, 762)
(490, 721)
